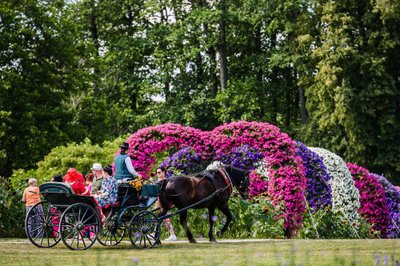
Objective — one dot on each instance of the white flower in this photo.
(214, 165)
(345, 196)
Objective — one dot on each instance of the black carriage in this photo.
(76, 219)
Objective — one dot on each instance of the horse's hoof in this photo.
(213, 240)
(193, 241)
(219, 233)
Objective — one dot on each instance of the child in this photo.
(31, 196)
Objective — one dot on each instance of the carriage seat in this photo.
(108, 205)
(55, 187)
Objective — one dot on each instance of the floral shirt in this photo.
(109, 189)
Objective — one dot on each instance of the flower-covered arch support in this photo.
(147, 142)
(287, 181)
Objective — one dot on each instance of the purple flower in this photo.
(318, 192)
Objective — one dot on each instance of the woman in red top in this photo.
(76, 181)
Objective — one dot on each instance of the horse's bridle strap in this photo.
(226, 178)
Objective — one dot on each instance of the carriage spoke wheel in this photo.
(144, 230)
(113, 231)
(79, 226)
(41, 225)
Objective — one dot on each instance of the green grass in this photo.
(228, 252)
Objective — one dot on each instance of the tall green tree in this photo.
(38, 74)
(354, 103)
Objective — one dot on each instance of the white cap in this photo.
(32, 180)
(97, 166)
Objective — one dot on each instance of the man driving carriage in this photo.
(124, 170)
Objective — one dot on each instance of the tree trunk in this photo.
(222, 48)
(303, 108)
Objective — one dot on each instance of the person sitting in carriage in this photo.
(76, 181)
(108, 194)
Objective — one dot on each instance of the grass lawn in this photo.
(225, 252)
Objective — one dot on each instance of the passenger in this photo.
(124, 170)
(57, 178)
(89, 181)
(31, 196)
(161, 175)
(74, 179)
(109, 189)
(97, 170)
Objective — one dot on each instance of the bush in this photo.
(333, 224)
(250, 220)
(12, 210)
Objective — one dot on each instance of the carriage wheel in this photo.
(79, 226)
(41, 225)
(144, 230)
(113, 231)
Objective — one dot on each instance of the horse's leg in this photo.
(182, 220)
(225, 210)
(211, 212)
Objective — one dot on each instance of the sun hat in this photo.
(32, 180)
(97, 166)
(124, 145)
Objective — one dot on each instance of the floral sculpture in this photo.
(318, 192)
(147, 142)
(393, 203)
(372, 198)
(345, 196)
(287, 181)
(183, 161)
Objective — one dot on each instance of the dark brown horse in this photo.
(208, 189)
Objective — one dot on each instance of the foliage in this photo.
(80, 156)
(181, 162)
(12, 210)
(372, 198)
(345, 196)
(354, 100)
(318, 192)
(251, 219)
(328, 224)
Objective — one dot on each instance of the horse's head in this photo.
(239, 179)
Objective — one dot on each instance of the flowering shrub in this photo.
(286, 173)
(318, 192)
(345, 196)
(393, 203)
(372, 199)
(181, 162)
(145, 143)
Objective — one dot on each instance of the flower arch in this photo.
(345, 196)
(393, 203)
(285, 170)
(372, 198)
(318, 192)
(147, 142)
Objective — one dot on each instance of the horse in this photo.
(209, 189)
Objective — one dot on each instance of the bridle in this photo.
(243, 185)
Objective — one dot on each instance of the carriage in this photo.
(76, 220)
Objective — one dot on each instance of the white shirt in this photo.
(129, 166)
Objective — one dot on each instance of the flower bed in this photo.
(345, 196)
(318, 192)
